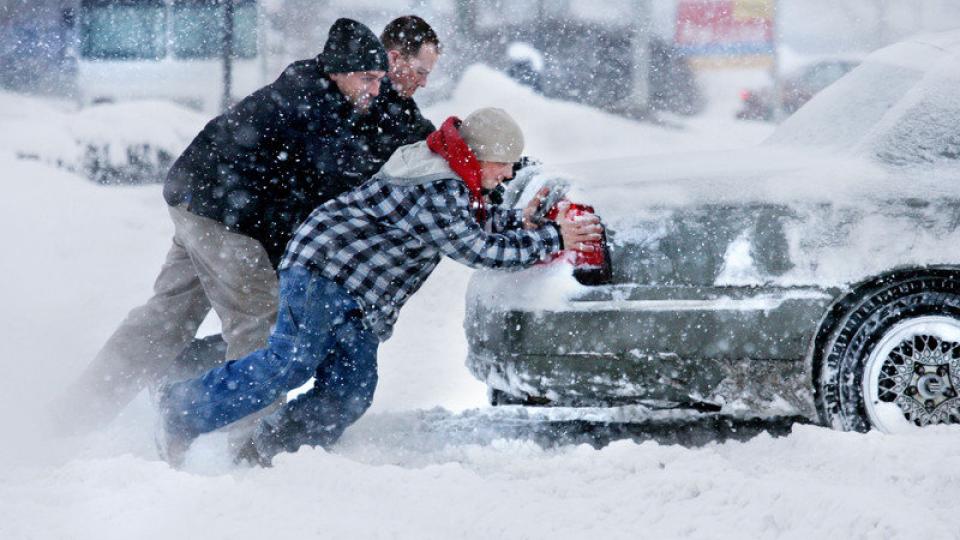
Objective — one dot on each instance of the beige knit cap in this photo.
(492, 135)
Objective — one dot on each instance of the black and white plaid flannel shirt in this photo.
(381, 240)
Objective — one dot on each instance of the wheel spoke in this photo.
(921, 375)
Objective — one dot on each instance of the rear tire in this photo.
(498, 397)
(892, 362)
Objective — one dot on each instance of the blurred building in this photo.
(622, 55)
(593, 53)
(35, 49)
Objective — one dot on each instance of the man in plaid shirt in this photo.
(349, 269)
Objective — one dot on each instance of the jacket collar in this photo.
(448, 143)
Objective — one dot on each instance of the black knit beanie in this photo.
(351, 46)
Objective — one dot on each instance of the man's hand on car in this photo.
(529, 223)
(582, 233)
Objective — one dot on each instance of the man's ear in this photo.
(392, 56)
(337, 79)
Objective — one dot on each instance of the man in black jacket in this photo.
(236, 194)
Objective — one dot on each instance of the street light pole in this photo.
(638, 100)
(777, 103)
(777, 82)
(227, 50)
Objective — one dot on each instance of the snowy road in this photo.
(430, 460)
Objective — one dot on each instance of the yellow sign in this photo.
(752, 9)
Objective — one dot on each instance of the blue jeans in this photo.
(319, 332)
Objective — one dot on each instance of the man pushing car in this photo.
(349, 269)
(242, 187)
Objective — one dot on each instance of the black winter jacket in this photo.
(394, 121)
(261, 167)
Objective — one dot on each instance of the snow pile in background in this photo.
(561, 131)
(128, 142)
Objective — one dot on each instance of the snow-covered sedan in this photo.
(817, 274)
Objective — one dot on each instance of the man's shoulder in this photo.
(303, 80)
(301, 73)
(415, 164)
(392, 106)
(300, 88)
(439, 187)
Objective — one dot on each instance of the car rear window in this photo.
(927, 129)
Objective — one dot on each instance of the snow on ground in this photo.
(427, 461)
(812, 484)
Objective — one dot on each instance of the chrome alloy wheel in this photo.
(912, 376)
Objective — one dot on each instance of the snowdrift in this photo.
(131, 142)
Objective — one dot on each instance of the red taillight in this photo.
(586, 258)
(580, 259)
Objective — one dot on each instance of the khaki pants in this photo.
(207, 266)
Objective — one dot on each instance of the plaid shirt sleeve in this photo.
(501, 219)
(445, 221)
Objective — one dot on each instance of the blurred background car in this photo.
(815, 275)
(797, 89)
(671, 83)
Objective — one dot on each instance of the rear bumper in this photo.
(749, 388)
(743, 348)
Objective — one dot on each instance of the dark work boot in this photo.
(172, 444)
(248, 454)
